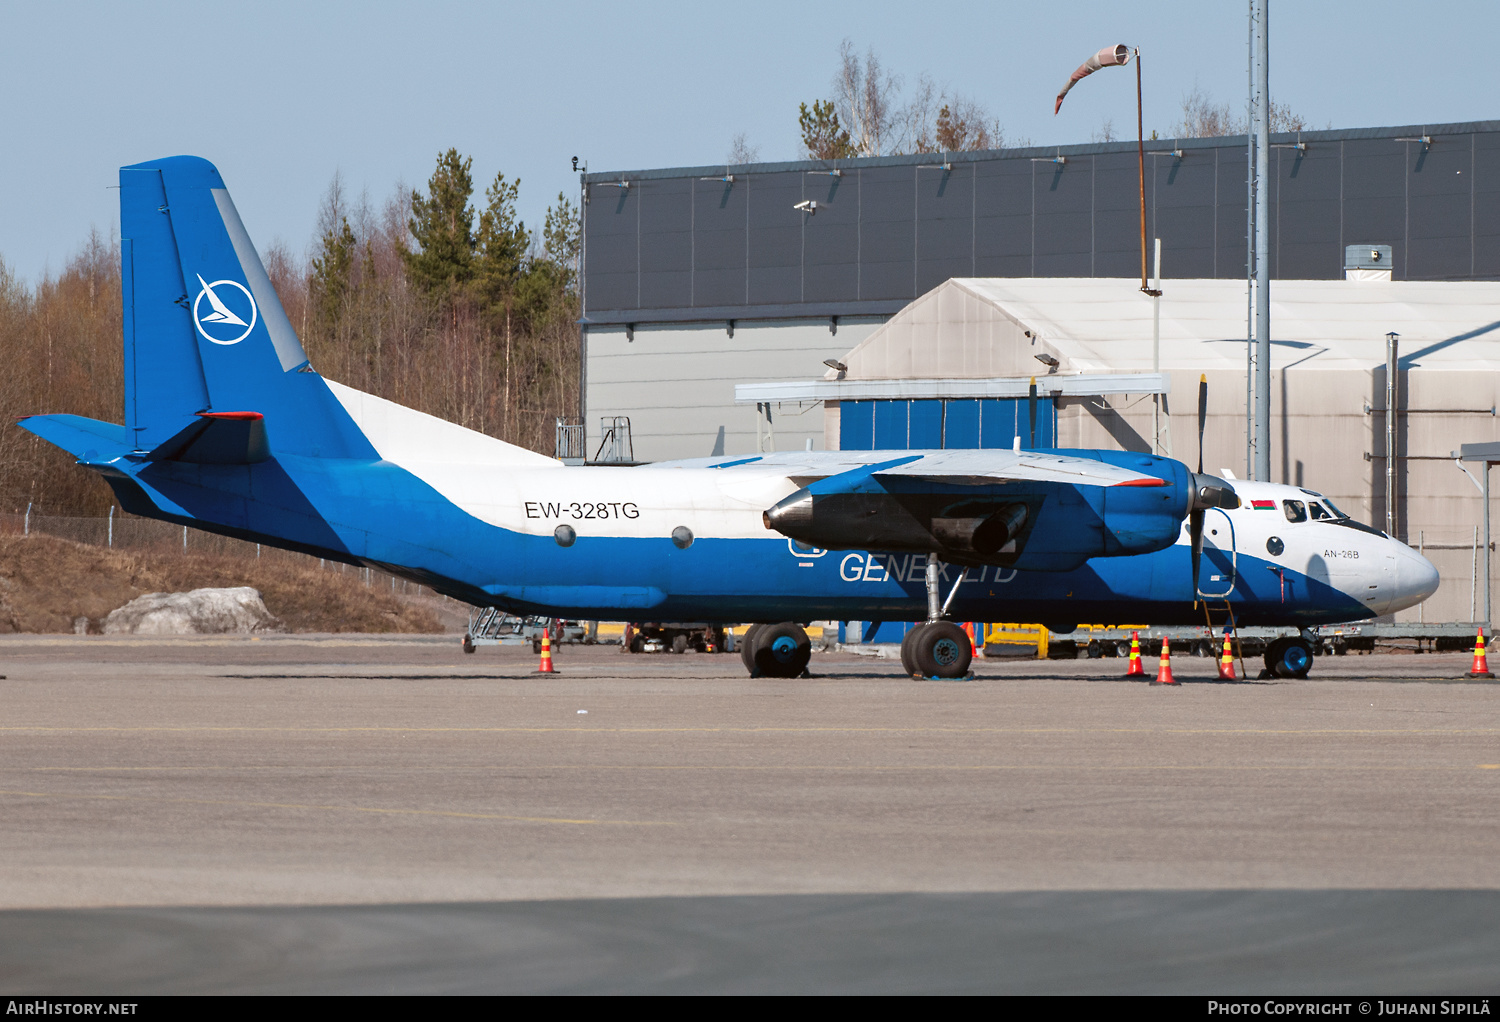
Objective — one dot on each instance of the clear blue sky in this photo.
(280, 95)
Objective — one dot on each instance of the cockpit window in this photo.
(1316, 512)
(1295, 512)
(1332, 509)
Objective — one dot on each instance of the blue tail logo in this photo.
(220, 313)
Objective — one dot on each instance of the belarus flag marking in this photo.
(1263, 505)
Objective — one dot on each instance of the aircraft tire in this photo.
(747, 647)
(679, 644)
(909, 648)
(468, 643)
(782, 650)
(942, 651)
(1289, 658)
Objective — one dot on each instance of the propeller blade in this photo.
(1195, 533)
(1031, 400)
(1202, 416)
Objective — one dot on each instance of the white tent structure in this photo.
(983, 337)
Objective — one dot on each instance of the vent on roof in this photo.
(1367, 262)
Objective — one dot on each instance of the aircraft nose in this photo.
(1416, 579)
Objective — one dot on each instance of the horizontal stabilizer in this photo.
(218, 438)
(88, 440)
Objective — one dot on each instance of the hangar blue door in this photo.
(965, 424)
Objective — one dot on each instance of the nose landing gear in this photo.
(937, 648)
(1289, 657)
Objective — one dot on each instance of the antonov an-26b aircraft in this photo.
(229, 429)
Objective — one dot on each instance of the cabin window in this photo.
(1295, 512)
(1315, 510)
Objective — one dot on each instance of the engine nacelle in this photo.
(1033, 525)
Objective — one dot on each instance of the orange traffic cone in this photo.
(1164, 671)
(1481, 668)
(1226, 662)
(1136, 667)
(546, 665)
(973, 642)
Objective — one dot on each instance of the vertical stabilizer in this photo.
(205, 330)
(164, 382)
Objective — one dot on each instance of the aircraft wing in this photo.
(988, 468)
(955, 467)
(1031, 509)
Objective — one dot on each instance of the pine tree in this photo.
(500, 245)
(332, 276)
(443, 225)
(822, 135)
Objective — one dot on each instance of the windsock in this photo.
(1110, 56)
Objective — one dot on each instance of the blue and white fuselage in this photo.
(228, 428)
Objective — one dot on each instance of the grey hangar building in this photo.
(713, 295)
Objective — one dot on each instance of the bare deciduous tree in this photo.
(1203, 118)
(741, 151)
(866, 96)
(868, 103)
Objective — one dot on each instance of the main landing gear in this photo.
(776, 651)
(937, 648)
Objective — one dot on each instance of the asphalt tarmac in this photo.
(364, 814)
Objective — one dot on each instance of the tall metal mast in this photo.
(1262, 246)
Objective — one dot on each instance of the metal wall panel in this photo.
(1230, 226)
(944, 224)
(887, 241)
(1117, 246)
(1181, 194)
(1063, 194)
(1003, 219)
(891, 422)
(892, 228)
(831, 237)
(1485, 180)
(1305, 227)
(1374, 206)
(925, 429)
(720, 255)
(856, 425)
(961, 424)
(612, 220)
(776, 239)
(954, 425)
(999, 424)
(1440, 217)
(676, 382)
(666, 242)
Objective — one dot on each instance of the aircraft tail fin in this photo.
(204, 329)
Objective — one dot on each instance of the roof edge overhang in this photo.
(1071, 385)
(745, 313)
(718, 170)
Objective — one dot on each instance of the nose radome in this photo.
(1416, 579)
